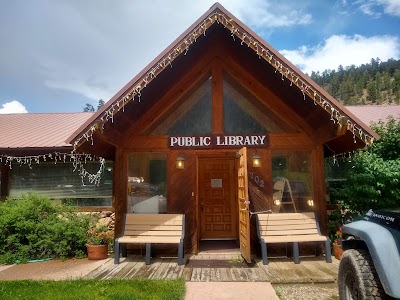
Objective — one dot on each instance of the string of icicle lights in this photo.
(78, 162)
(336, 116)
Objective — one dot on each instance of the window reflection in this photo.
(191, 115)
(292, 181)
(244, 113)
(147, 183)
(60, 182)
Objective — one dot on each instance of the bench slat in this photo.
(149, 239)
(289, 227)
(153, 222)
(152, 217)
(147, 227)
(153, 233)
(289, 221)
(286, 216)
(291, 239)
(288, 232)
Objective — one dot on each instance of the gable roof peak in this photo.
(217, 14)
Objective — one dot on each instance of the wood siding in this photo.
(133, 133)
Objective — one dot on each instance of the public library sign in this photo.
(218, 141)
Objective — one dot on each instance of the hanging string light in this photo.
(336, 115)
(78, 161)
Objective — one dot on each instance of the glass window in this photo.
(292, 181)
(191, 115)
(59, 181)
(147, 183)
(244, 114)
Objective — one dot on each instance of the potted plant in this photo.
(97, 242)
(337, 244)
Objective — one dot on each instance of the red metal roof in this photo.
(375, 113)
(49, 130)
(39, 130)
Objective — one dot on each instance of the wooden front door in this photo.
(217, 198)
(243, 205)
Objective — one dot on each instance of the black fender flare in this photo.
(383, 250)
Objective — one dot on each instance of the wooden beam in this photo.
(110, 136)
(120, 188)
(198, 72)
(319, 187)
(148, 143)
(217, 98)
(277, 141)
(5, 181)
(290, 141)
(265, 95)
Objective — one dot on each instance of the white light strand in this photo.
(78, 161)
(217, 17)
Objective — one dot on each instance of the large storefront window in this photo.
(147, 183)
(60, 182)
(292, 181)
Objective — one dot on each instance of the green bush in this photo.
(36, 228)
(373, 181)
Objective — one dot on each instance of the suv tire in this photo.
(357, 277)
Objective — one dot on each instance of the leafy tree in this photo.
(101, 103)
(376, 82)
(88, 108)
(373, 181)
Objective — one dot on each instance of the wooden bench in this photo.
(151, 229)
(290, 228)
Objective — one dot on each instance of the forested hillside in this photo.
(374, 83)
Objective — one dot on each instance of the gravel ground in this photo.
(307, 292)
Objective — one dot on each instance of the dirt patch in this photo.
(307, 291)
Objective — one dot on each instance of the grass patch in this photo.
(93, 289)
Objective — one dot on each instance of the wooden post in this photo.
(319, 187)
(120, 188)
(5, 181)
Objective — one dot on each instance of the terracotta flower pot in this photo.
(95, 252)
(337, 251)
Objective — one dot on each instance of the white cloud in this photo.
(369, 8)
(344, 50)
(13, 107)
(101, 50)
(269, 14)
(374, 7)
(391, 7)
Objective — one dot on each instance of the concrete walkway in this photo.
(74, 269)
(229, 291)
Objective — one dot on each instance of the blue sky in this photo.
(58, 55)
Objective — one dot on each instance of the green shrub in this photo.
(373, 181)
(36, 228)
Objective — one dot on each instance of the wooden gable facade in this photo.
(218, 90)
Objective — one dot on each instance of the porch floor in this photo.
(221, 267)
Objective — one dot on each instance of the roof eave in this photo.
(72, 138)
(308, 87)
